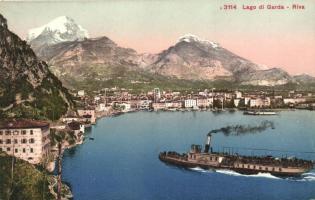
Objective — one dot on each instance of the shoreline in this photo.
(114, 113)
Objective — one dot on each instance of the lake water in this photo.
(122, 161)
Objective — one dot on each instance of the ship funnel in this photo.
(208, 143)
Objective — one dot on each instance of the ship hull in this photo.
(259, 113)
(182, 163)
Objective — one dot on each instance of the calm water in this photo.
(122, 162)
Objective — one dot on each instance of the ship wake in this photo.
(259, 175)
(310, 176)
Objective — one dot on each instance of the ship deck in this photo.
(242, 164)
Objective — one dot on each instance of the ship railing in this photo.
(174, 154)
(275, 162)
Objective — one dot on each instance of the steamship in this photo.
(208, 159)
(258, 112)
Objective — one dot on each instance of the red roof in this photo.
(22, 123)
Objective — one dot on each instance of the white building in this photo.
(238, 94)
(157, 94)
(101, 107)
(237, 102)
(259, 102)
(126, 107)
(246, 100)
(78, 129)
(293, 100)
(81, 93)
(145, 104)
(25, 139)
(68, 119)
(97, 98)
(190, 103)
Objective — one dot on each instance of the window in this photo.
(24, 132)
(30, 158)
(7, 132)
(216, 158)
(31, 132)
(31, 150)
(8, 149)
(15, 141)
(273, 169)
(254, 167)
(23, 150)
(24, 141)
(8, 141)
(248, 166)
(0, 149)
(266, 168)
(1, 132)
(15, 150)
(31, 140)
(1, 141)
(280, 169)
(242, 165)
(15, 132)
(260, 168)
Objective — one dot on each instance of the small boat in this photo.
(90, 138)
(258, 112)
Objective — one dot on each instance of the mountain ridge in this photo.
(190, 58)
(60, 29)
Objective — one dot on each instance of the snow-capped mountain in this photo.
(60, 29)
(193, 38)
(199, 59)
(195, 58)
(190, 58)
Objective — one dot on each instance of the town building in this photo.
(159, 106)
(202, 103)
(101, 107)
(88, 114)
(246, 101)
(145, 104)
(190, 103)
(260, 102)
(157, 94)
(237, 102)
(78, 129)
(238, 94)
(81, 93)
(293, 100)
(25, 139)
(173, 104)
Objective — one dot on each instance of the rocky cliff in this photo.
(27, 87)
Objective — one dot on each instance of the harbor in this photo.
(125, 149)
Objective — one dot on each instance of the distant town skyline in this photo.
(275, 38)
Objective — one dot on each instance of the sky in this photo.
(275, 38)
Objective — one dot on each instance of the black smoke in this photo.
(244, 129)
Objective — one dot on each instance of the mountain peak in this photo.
(193, 38)
(60, 29)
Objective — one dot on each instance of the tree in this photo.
(59, 138)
